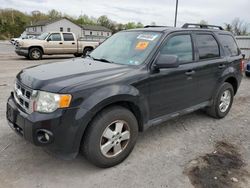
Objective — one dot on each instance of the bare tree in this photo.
(237, 27)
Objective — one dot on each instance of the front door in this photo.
(174, 89)
(54, 44)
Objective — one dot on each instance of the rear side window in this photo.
(207, 46)
(68, 37)
(181, 46)
(229, 45)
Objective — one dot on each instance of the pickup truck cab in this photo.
(54, 43)
(134, 80)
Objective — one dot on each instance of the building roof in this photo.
(95, 28)
(85, 27)
(45, 22)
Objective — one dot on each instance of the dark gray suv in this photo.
(134, 80)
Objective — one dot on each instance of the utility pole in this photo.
(81, 24)
(176, 10)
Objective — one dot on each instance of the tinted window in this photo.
(207, 46)
(55, 37)
(180, 46)
(68, 37)
(229, 45)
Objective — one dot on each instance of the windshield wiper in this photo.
(102, 60)
(99, 59)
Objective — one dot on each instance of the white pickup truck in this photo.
(54, 43)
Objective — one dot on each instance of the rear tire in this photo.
(86, 51)
(110, 137)
(77, 55)
(222, 101)
(35, 54)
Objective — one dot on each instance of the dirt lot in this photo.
(191, 151)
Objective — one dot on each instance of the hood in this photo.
(54, 77)
(26, 42)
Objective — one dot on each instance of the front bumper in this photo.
(22, 51)
(65, 125)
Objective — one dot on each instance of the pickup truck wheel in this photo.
(86, 50)
(222, 102)
(35, 54)
(77, 55)
(110, 137)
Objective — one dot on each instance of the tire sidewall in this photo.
(86, 50)
(98, 127)
(35, 49)
(224, 87)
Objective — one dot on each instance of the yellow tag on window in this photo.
(141, 45)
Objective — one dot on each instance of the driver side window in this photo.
(55, 37)
(181, 46)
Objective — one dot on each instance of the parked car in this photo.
(136, 79)
(248, 69)
(54, 43)
(14, 41)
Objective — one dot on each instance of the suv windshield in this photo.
(42, 36)
(129, 48)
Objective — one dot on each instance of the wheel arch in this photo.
(125, 96)
(233, 81)
(40, 47)
(88, 47)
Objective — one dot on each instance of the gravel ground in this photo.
(159, 159)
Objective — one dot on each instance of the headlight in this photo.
(48, 102)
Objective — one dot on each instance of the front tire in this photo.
(35, 54)
(222, 101)
(110, 137)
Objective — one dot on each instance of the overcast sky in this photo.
(145, 11)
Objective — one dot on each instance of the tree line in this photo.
(14, 22)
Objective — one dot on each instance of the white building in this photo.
(85, 32)
(244, 45)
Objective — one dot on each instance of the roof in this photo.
(85, 27)
(242, 37)
(45, 22)
(95, 28)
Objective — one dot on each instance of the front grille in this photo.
(22, 96)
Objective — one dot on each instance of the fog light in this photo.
(44, 136)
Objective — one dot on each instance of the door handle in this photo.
(60, 43)
(190, 72)
(73, 43)
(221, 66)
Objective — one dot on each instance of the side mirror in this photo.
(48, 39)
(167, 61)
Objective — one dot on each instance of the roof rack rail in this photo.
(202, 26)
(147, 26)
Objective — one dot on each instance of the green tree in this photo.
(54, 14)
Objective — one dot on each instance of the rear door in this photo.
(69, 43)
(210, 64)
(174, 89)
(54, 44)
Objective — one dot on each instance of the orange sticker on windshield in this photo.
(141, 45)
